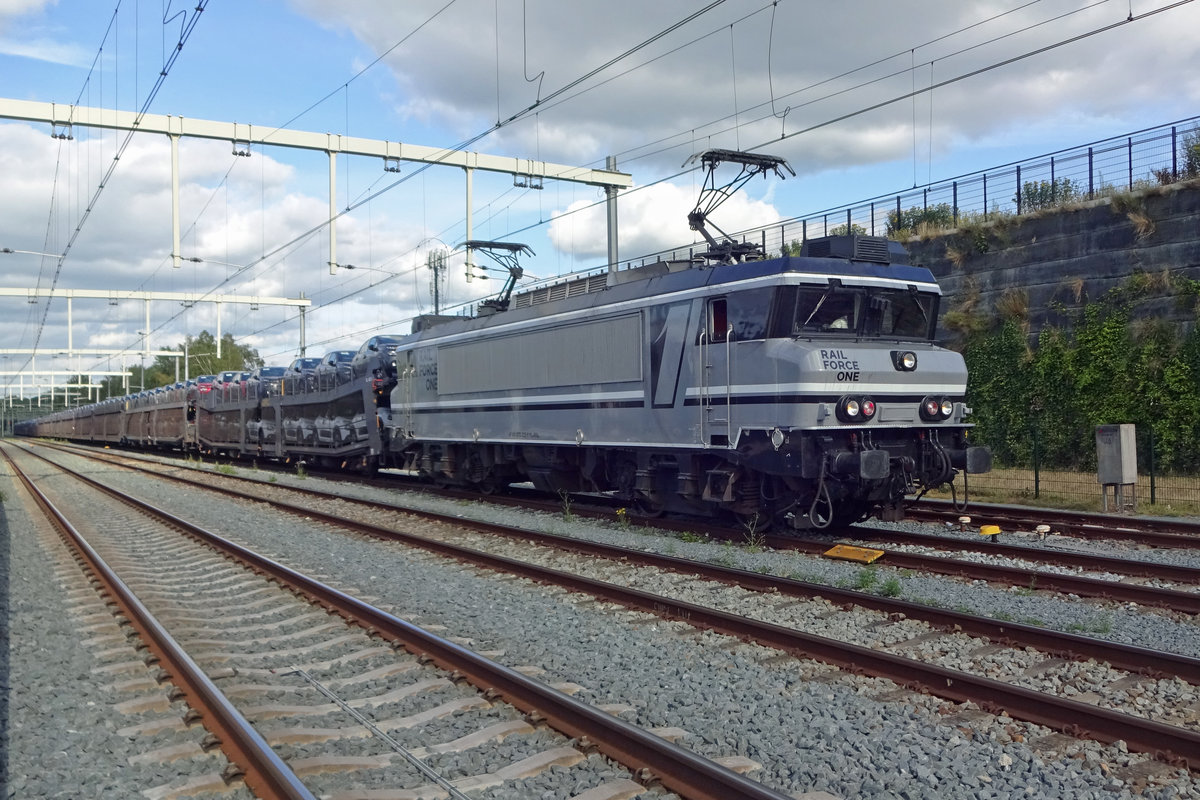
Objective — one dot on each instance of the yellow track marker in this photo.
(851, 553)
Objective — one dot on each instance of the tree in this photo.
(201, 351)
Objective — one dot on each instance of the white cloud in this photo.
(16, 8)
(47, 50)
(681, 95)
(652, 219)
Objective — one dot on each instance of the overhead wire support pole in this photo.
(610, 193)
(176, 259)
(333, 212)
(57, 114)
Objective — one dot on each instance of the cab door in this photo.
(402, 395)
(714, 373)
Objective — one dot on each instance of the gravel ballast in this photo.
(812, 728)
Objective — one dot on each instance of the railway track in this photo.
(210, 606)
(1146, 531)
(1086, 574)
(953, 637)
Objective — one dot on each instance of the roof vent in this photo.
(876, 249)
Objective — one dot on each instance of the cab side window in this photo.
(718, 319)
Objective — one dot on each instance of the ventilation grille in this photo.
(559, 291)
(855, 248)
(871, 248)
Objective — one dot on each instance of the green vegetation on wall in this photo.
(1105, 368)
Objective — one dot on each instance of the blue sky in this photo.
(438, 73)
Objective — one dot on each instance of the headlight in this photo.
(936, 409)
(855, 409)
(904, 360)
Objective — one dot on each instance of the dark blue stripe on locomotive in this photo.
(741, 400)
(767, 399)
(564, 406)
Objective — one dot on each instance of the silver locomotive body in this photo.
(802, 389)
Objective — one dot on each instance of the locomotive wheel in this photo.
(647, 507)
(755, 522)
(844, 516)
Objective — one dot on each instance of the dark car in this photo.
(298, 377)
(374, 361)
(334, 369)
(266, 381)
(374, 352)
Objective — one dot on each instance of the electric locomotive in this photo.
(805, 390)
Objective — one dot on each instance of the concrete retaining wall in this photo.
(1074, 256)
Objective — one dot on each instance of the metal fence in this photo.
(1155, 492)
(1140, 159)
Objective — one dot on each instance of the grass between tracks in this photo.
(1174, 496)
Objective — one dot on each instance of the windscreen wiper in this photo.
(834, 285)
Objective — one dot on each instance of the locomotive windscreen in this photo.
(864, 311)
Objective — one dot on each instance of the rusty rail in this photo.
(646, 755)
(262, 770)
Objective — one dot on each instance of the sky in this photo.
(829, 87)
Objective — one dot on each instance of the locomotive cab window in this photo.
(871, 312)
(718, 319)
(833, 308)
(739, 316)
(900, 314)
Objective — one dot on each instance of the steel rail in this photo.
(262, 769)
(645, 754)
(1167, 742)
(1156, 531)
(1062, 558)
(1187, 602)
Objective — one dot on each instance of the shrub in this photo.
(931, 218)
(1038, 195)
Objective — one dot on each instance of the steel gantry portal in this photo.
(302, 304)
(62, 118)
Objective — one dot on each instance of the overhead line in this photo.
(458, 147)
(184, 35)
